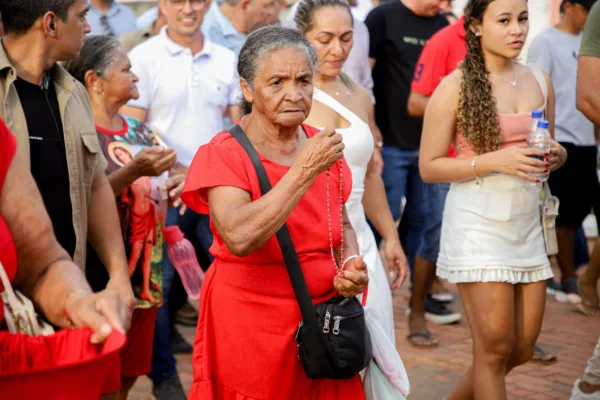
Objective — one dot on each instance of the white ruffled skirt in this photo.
(492, 233)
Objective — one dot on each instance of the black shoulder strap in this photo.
(283, 234)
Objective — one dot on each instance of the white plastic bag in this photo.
(377, 386)
(389, 364)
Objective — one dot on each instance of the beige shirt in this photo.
(84, 158)
(132, 39)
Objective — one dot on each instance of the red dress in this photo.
(245, 347)
(55, 367)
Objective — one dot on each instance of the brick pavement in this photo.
(434, 372)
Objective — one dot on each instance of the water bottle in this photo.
(536, 115)
(182, 255)
(539, 139)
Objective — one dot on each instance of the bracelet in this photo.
(473, 164)
(349, 259)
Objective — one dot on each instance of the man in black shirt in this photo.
(51, 117)
(398, 31)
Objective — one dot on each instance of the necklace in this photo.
(334, 259)
(348, 94)
(514, 75)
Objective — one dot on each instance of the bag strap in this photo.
(539, 76)
(288, 250)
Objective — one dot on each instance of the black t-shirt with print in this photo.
(397, 37)
(48, 157)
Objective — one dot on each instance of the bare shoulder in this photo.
(363, 93)
(448, 91)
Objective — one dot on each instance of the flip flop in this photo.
(587, 309)
(543, 357)
(424, 335)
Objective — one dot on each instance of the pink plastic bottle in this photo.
(182, 255)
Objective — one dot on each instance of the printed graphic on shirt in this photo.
(142, 210)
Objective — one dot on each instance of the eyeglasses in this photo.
(196, 5)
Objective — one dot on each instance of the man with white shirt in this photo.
(187, 85)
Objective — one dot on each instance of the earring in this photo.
(477, 34)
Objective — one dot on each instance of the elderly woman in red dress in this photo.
(245, 346)
(39, 268)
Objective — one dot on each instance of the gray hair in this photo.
(97, 54)
(306, 9)
(260, 44)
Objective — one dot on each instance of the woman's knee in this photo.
(495, 349)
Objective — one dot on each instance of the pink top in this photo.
(514, 129)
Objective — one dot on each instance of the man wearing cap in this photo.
(556, 51)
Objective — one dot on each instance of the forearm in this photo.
(122, 178)
(55, 287)
(417, 103)
(104, 233)
(377, 208)
(445, 169)
(249, 226)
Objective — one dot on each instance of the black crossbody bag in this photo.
(332, 338)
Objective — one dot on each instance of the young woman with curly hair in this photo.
(492, 244)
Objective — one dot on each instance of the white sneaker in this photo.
(577, 394)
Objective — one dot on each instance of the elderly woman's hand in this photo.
(153, 161)
(102, 312)
(321, 151)
(354, 279)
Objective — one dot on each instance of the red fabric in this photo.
(63, 366)
(245, 347)
(136, 356)
(8, 253)
(440, 56)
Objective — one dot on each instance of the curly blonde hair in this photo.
(477, 115)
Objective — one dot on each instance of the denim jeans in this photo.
(402, 179)
(163, 360)
(434, 202)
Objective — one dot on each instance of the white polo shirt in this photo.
(185, 95)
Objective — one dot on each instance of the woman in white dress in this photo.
(347, 107)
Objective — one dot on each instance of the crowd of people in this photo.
(395, 146)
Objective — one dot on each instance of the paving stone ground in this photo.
(433, 373)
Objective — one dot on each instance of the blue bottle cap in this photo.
(542, 123)
(537, 114)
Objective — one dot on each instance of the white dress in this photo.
(359, 146)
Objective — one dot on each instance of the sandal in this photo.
(430, 341)
(542, 357)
